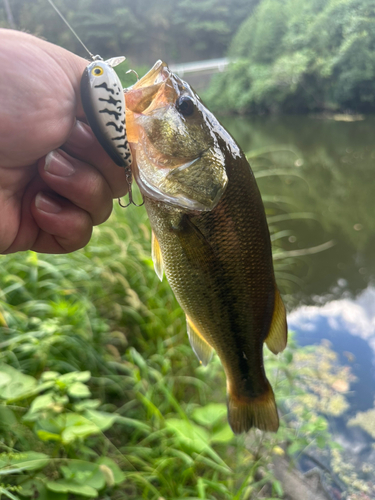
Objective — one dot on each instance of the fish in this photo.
(210, 238)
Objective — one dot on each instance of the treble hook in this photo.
(131, 201)
(129, 180)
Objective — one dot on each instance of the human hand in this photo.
(48, 203)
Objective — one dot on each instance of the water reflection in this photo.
(324, 171)
(349, 324)
(332, 177)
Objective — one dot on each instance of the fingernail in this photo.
(47, 204)
(81, 136)
(58, 165)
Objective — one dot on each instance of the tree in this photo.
(299, 55)
(144, 31)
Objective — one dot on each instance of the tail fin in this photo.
(260, 412)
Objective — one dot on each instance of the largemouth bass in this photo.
(210, 237)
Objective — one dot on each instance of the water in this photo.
(328, 172)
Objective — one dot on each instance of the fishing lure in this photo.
(103, 102)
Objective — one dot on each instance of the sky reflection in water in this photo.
(349, 324)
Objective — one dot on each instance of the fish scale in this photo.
(211, 238)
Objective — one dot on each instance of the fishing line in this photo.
(72, 30)
(92, 112)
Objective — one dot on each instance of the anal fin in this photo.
(202, 349)
(157, 257)
(278, 335)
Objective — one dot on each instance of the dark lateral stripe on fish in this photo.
(118, 129)
(105, 86)
(110, 100)
(114, 113)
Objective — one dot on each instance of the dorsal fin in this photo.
(202, 349)
(157, 257)
(278, 335)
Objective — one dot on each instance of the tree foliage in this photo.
(144, 31)
(300, 56)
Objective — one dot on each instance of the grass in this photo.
(102, 397)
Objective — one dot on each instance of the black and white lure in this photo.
(103, 102)
(104, 106)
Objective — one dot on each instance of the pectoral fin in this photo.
(157, 257)
(277, 336)
(202, 349)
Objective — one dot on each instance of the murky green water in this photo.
(331, 176)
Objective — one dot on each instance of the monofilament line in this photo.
(71, 29)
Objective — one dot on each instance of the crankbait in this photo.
(103, 102)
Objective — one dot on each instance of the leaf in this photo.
(66, 486)
(7, 418)
(43, 402)
(76, 427)
(49, 375)
(31, 460)
(277, 488)
(86, 473)
(18, 384)
(189, 434)
(4, 379)
(48, 436)
(7, 493)
(100, 418)
(78, 432)
(118, 475)
(296, 447)
(132, 422)
(79, 390)
(87, 404)
(208, 415)
(70, 377)
(223, 436)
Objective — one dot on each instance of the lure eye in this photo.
(185, 105)
(97, 71)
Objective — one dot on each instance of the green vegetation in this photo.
(144, 31)
(102, 396)
(290, 55)
(301, 56)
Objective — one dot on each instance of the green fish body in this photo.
(210, 236)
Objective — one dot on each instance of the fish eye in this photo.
(185, 105)
(97, 71)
